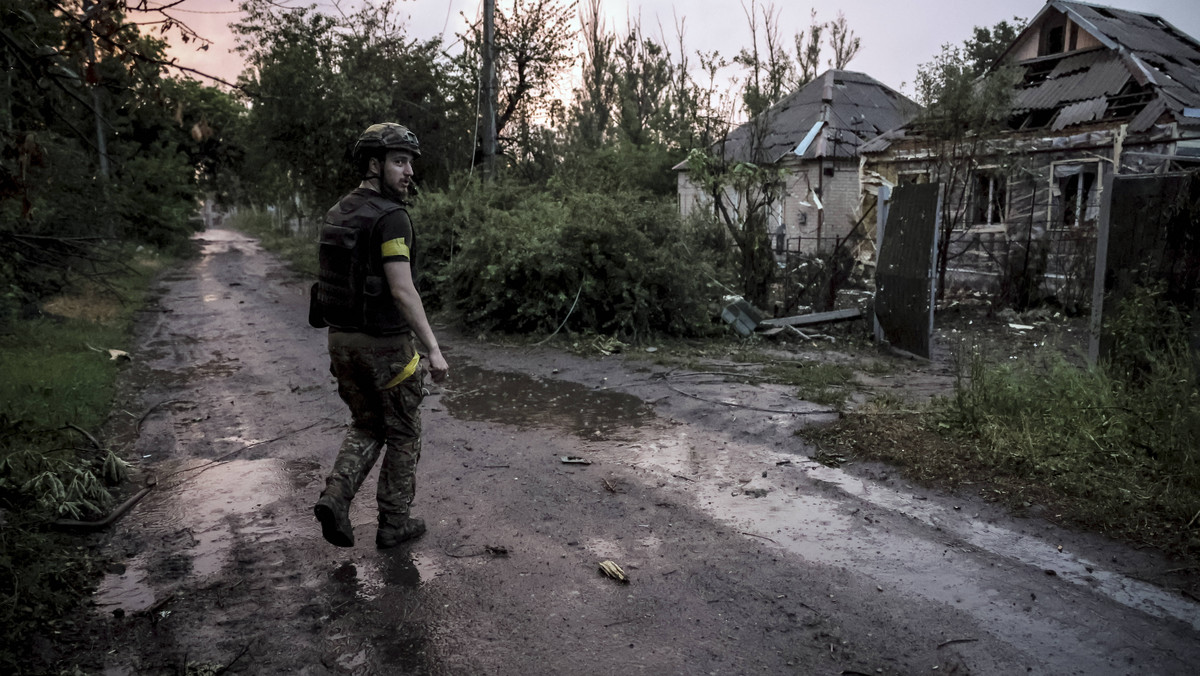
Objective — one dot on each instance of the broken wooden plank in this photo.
(816, 318)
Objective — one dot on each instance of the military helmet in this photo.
(386, 136)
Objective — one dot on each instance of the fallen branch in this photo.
(956, 640)
(157, 406)
(72, 524)
(95, 444)
(225, 668)
(826, 411)
(756, 535)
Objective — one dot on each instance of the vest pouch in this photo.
(374, 287)
(315, 318)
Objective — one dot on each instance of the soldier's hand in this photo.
(438, 368)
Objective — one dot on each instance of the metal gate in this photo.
(904, 277)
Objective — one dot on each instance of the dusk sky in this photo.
(896, 38)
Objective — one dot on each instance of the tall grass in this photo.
(1116, 443)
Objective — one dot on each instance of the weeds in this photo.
(1115, 444)
(56, 378)
(821, 382)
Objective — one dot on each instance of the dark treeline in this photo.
(106, 142)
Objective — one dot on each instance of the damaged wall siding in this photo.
(1044, 222)
(820, 205)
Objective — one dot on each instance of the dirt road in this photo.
(744, 556)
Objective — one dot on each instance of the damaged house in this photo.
(814, 135)
(1098, 91)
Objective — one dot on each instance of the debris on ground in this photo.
(614, 571)
(574, 460)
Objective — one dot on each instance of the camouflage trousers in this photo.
(381, 417)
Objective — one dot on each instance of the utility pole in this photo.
(101, 143)
(488, 85)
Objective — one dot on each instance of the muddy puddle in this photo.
(482, 394)
(816, 522)
(201, 510)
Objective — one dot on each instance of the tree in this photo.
(808, 51)
(842, 41)
(966, 104)
(594, 101)
(533, 44)
(316, 81)
(770, 70)
(986, 45)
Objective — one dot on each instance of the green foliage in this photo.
(757, 187)
(317, 81)
(1119, 440)
(59, 196)
(513, 259)
(56, 374)
(967, 101)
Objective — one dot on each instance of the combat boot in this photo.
(389, 536)
(334, 515)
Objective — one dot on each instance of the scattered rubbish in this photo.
(743, 316)
(781, 463)
(756, 492)
(811, 336)
(608, 486)
(1020, 327)
(458, 552)
(957, 640)
(614, 571)
(113, 355)
(652, 349)
(574, 460)
(815, 318)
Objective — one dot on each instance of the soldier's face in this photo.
(397, 171)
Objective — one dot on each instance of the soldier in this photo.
(365, 295)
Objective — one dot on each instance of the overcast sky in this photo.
(896, 37)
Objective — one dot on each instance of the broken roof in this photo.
(829, 117)
(1135, 66)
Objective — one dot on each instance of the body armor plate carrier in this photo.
(352, 293)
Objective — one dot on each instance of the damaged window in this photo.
(913, 177)
(989, 197)
(1077, 194)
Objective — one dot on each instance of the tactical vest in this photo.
(352, 292)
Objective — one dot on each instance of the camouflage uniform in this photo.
(363, 366)
(372, 352)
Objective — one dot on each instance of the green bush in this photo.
(512, 258)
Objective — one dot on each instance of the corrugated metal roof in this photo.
(1140, 47)
(1078, 62)
(860, 107)
(1076, 113)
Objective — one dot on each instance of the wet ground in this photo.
(745, 557)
